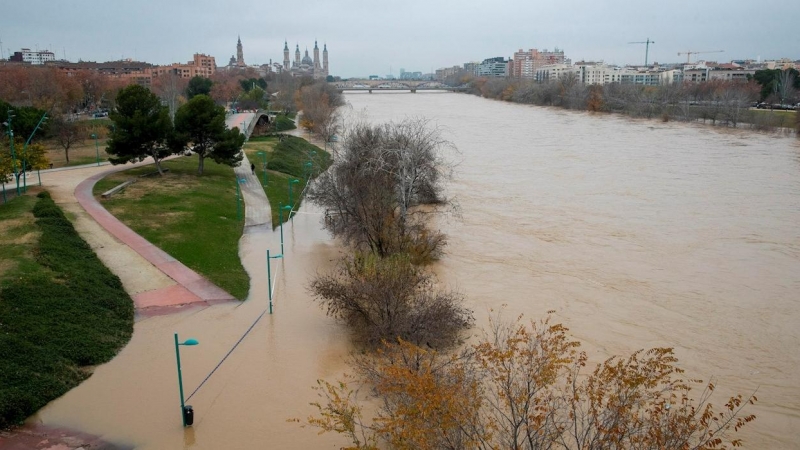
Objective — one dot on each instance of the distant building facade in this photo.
(594, 73)
(201, 65)
(142, 73)
(306, 66)
(26, 55)
(493, 67)
(525, 63)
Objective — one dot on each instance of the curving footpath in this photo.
(157, 282)
(190, 287)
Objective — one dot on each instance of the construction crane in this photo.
(646, 48)
(689, 54)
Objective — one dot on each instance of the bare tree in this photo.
(785, 86)
(372, 190)
(320, 103)
(170, 88)
(66, 134)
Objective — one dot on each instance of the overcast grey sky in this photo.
(418, 35)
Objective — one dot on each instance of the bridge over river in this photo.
(395, 85)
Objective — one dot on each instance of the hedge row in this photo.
(55, 321)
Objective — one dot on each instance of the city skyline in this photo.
(413, 35)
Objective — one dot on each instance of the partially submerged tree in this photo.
(390, 298)
(320, 102)
(200, 127)
(373, 192)
(142, 128)
(522, 387)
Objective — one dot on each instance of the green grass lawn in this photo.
(285, 160)
(61, 310)
(772, 118)
(193, 218)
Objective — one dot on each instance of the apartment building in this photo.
(525, 63)
(599, 73)
(142, 73)
(26, 55)
(201, 65)
(494, 67)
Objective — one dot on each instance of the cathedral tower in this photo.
(285, 55)
(325, 59)
(297, 56)
(316, 58)
(239, 53)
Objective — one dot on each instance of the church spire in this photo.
(239, 52)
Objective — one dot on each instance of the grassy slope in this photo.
(193, 218)
(61, 309)
(285, 160)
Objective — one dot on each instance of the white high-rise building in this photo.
(26, 55)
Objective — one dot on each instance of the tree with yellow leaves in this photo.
(522, 386)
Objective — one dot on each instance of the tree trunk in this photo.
(66, 154)
(200, 164)
(158, 165)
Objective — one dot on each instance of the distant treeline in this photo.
(722, 103)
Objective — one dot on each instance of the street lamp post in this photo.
(11, 142)
(269, 277)
(291, 182)
(238, 201)
(5, 200)
(25, 153)
(309, 168)
(263, 157)
(187, 413)
(96, 148)
(281, 207)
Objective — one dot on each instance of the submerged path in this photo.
(157, 282)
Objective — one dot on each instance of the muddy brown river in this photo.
(637, 233)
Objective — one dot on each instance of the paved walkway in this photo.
(258, 214)
(190, 286)
(173, 285)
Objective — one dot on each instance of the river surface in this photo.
(637, 234)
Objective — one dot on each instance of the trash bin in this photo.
(188, 415)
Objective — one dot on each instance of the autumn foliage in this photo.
(525, 386)
(50, 89)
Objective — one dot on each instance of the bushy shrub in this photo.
(385, 299)
(284, 123)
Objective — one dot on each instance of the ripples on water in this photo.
(638, 233)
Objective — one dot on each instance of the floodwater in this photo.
(636, 233)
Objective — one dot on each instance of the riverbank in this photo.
(725, 104)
